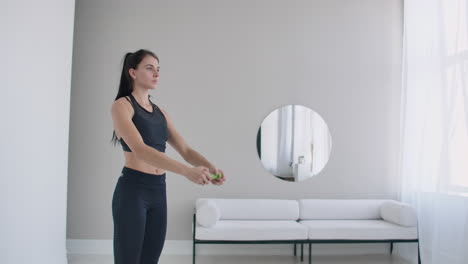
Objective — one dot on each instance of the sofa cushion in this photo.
(357, 230)
(256, 209)
(207, 213)
(398, 213)
(316, 209)
(252, 230)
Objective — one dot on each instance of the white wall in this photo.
(37, 38)
(224, 66)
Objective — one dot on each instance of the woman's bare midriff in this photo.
(133, 163)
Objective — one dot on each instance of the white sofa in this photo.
(303, 221)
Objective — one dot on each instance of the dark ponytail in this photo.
(130, 60)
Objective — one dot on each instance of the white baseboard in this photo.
(184, 247)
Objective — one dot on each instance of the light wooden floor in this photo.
(203, 259)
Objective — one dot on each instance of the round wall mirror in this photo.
(293, 143)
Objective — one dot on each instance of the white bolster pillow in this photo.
(207, 213)
(398, 213)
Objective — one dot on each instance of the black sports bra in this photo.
(151, 125)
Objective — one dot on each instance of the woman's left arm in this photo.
(189, 154)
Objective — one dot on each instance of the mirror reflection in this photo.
(293, 143)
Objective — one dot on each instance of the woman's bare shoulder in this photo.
(122, 103)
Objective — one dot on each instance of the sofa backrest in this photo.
(256, 209)
(340, 209)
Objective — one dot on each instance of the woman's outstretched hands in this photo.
(199, 175)
(218, 181)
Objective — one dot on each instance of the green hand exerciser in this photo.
(216, 176)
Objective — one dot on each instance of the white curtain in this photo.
(287, 135)
(322, 143)
(276, 141)
(285, 141)
(434, 122)
(302, 139)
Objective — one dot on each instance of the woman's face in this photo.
(147, 73)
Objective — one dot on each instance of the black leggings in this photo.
(139, 210)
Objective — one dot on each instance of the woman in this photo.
(139, 202)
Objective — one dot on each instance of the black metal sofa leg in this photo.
(302, 252)
(391, 248)
(294, 249)
(193, 253)
(419, 255)
(310, 253)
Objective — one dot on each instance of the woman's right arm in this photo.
(122, 121)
